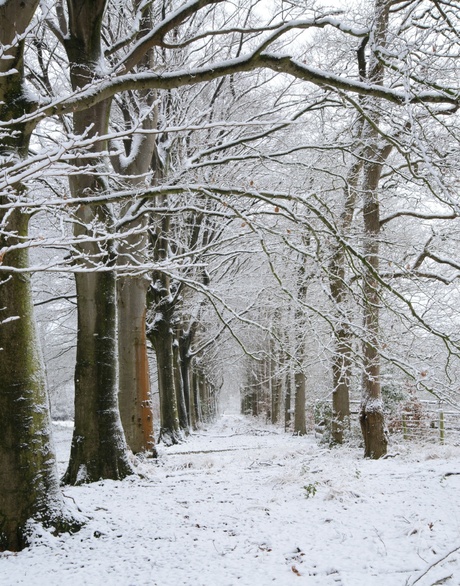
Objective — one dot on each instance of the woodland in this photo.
(211, 197)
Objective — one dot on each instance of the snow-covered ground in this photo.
(242, 504)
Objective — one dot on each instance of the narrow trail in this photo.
(239, 504)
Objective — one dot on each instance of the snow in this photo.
(245, 504)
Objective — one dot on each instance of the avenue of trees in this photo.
(263, 189)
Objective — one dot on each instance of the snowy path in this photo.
(244, 505)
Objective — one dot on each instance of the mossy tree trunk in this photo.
(29, 485)
(98, 445)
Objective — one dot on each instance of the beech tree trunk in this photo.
(162, 335)
(134, 376)
(29, 484)
(98, 446)
(197, 413)
(162, 340)
(185, 339)
(134, 380)
(180, 395)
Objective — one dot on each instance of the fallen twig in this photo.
(434, 564)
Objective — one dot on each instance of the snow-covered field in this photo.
(242, 504)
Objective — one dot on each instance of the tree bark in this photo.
(300, 424)
(162, 340)
(134, 376)
(134, 380)
(371, 417)
(185, 339)
(98, 444)
(341, 361)
(180, 395)
(300, 382)
(161, 334)
(29, 484)
(287, 402)
(371, 414)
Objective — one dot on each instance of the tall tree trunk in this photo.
(134, 380)
(29, 484)
(371, 414)
(204, 396)
(180, 395)
(341, 361)
(98, 445)
(196, 397)
(185, 339)
(134, 377)
(300, 381)
(276, 397)
(161, 334)
(300, 424)
(287, 402)
(162, 339)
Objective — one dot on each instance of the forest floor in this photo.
(244, 504)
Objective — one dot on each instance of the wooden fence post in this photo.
(404, 424)
(441, 427)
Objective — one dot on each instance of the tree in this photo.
(371, 415)
(408, 87)
(133, 165)
(98, 444)
(29, 486)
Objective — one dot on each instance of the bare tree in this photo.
(98, 445)
(29, 486)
